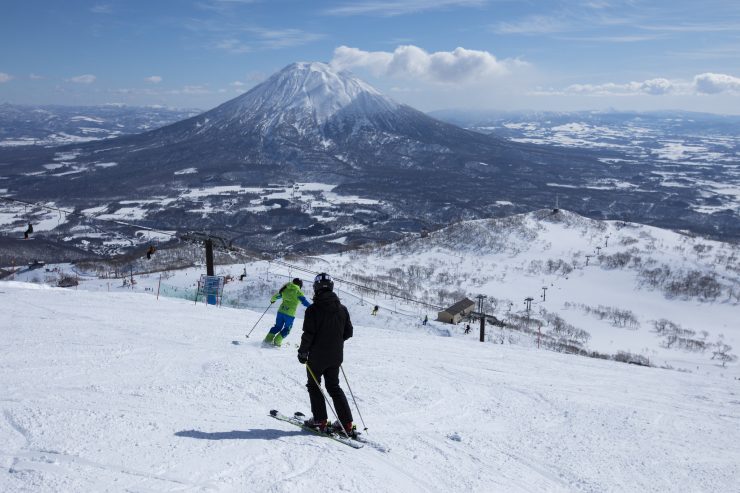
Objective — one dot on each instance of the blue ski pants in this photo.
(283, 324)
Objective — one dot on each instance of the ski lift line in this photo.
(357, 285)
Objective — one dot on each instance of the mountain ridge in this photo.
(294, 128)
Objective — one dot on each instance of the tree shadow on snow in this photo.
(268, 434)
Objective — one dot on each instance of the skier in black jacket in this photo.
(325, 328)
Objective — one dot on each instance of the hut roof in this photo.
(460, 306)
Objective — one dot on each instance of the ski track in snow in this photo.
(121, 392)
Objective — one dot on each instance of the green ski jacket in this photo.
(291, 295)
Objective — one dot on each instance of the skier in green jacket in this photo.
(291, 294)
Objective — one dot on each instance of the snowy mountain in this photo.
(306, 119)
(309, 95)
(235, 170)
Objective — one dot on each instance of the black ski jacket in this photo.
(325, 328)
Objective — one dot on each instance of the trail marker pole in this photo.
(539, 333)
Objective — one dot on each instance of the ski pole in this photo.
(258, 320)
(353, 399)
(310, 371)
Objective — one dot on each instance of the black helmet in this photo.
(323, 282)
(298, 282)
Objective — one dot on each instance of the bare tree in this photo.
(722, 353)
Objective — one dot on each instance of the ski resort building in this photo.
(456, 312)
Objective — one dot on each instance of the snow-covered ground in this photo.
(508, 260)
(575, 259)
(123, 392)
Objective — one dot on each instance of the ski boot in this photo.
(348, 428)
(268, 340)
(321, 425)
(278, 340)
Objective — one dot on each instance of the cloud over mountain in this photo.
(408, 61)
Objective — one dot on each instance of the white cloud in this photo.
(34, 77)
(102, 9)
(154, 79)
(710, 83)
(195, 90)
(445, 67)
(268, 39)
(283, 38)
(706, 83)
(651, 87)
(400, 7)
(629, 38)
(656, 87)
(233, 46)
(537, 24)
(5, 77)
(83, 79)
(238, 86)
(222, 6)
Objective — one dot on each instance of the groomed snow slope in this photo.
(121, 392)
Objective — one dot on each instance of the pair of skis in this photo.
(355, 442)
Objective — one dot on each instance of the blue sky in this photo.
(433, 54)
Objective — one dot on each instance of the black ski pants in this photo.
(318, 405)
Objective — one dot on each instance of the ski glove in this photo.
(302, 358)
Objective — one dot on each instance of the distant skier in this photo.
(326, 326)
(426, 319)
(375, 310)
(467, 328)
(243, 274)
(28, 231)
(291, 294)
(150, 251)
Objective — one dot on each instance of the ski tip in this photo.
(298, 413)
(235, 343)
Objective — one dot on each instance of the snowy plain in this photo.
(123, 392)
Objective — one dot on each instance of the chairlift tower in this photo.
(528, 300)
(480, 299)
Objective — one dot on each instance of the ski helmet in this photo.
(298, 282)
(323, 282)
